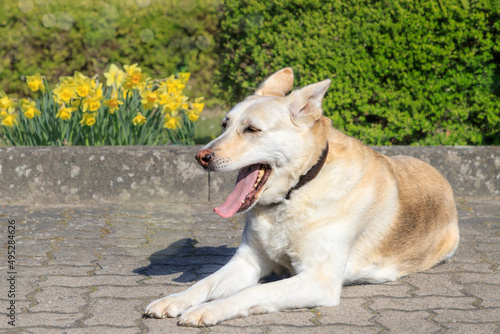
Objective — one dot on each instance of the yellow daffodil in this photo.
(149, 99)
(65, 93)
(113, 104)
(93, 101)
(65, 112)
(195, 111)
(172, 86)
(134, 77)
(30, 110)
(132, 68)
(164, 98)
(172, 122)
(35, 83)
(171, 102)
(83, 85)
(193, 117)
(88, 119)
(134, 80)
(91, 104)
(97, 91)
(7, 104)
(114, 76)
(8, 119)
(139, 119)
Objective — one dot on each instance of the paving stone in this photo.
(58, 270)
(162, 326)
(371, 290)
(59, 300)
(468, 316)
(488, 247)
(299, 318)
(116, 265)
(44, 231)
(432, 284)
(422, 303)
(489, 294)
(33, 247)
(40, 215)
(467, 253)
(350, 312)
(149, 292)
(73, 256)
(492, 257)
(30, 261)
(474, 228)
(461, 328)
(126, 231)
(98, 243)
(113, 312)
(133, 245)
(459, 267)
(40, 319)
(284, 329)
(165, 237)
(465, 278)
(95, 280)
(407, 322)
(87, 330)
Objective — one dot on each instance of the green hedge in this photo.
(55, 38)
(403, 71)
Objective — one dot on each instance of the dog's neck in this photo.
(311, 173)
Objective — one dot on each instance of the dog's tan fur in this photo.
(365, 217)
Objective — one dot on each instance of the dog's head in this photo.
(272, 138)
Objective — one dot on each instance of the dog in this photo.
(319, 205)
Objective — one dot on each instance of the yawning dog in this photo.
(319, 205)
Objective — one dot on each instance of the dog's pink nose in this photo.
(204, 157)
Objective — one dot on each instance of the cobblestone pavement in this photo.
(94, 269)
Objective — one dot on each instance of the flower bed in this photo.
(129, 109)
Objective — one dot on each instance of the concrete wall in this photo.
(137, 175)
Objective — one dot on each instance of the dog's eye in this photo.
(223, 124)
(252, 129)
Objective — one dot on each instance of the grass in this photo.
(208, 126)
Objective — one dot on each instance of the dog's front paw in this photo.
(202, 316)
(170, 306)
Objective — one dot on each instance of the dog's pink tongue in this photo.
(244, 185)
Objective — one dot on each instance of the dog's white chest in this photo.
(274, 237)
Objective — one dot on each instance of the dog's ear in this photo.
(278, 84)
(307, 101)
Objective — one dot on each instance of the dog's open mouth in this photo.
(250, 181)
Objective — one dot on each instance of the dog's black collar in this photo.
(311, 173)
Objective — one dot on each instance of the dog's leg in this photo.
(308, 289)
(320, 265)
(244, 270)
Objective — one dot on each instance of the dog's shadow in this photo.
(182, 256)
(194, 263)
